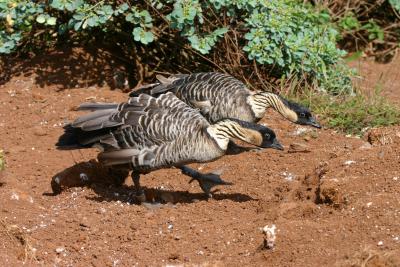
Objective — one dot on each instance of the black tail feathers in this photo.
(70, 139)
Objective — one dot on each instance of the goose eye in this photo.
(302, 115)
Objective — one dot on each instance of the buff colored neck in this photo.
(263, 100)
(224, 130)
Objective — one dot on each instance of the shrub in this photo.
(367, 25)
(286, 36)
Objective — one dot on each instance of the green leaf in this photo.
(51, 21)
(41, 19)
(221, 31)
(77, 25)
(124, 7)
(147, 38)
(395, 4)
(137, 32)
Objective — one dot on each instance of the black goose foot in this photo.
(206, 181)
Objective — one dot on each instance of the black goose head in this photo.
(304, 116)
(268, 137)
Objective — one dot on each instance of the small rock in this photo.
(101, 210)
(38, 98)
(300, 131)
(60, 250)
(39, 131)
(269, 236)
(349, 162)
(380, 243)
(298, 148)
(14, 196)
(288, 176)
(366, 146)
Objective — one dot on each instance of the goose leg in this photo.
(206, 181)
(139, 196)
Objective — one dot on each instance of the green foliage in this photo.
(143, 19)
(16, 17)
(352, 114)
(350, 24)
(293, 37)
(337, 80)
(289, 36)
(204, 44)
(395, 4)
(374, 31)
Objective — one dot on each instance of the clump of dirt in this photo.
(317, 189)
(383, 136)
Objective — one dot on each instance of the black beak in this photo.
(314, 123)
(275, 144)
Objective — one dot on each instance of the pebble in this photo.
(60, 250)
(288, 176)
(298, 148)
(39, 131)
(300, 131)
(349, 162)
(366, 146)
(14, 196)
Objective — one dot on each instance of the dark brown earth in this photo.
(337, 205)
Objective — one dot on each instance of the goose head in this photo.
(303, 114)
(260, 135)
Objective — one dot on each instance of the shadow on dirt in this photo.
(70, 68)
(108, 185)
(159, 196)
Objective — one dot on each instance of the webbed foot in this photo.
(206, 181)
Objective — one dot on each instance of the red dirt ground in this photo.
(337, 205)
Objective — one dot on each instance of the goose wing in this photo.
(143, 121)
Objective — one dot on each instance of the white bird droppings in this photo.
(269, 236)
(349, 162)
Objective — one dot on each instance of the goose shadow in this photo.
(109, 186)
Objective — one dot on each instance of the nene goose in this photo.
(219, 96)
(147, 133)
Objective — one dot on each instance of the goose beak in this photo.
(314, 123)
(275, 144)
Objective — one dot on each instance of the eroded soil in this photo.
(337, 205)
